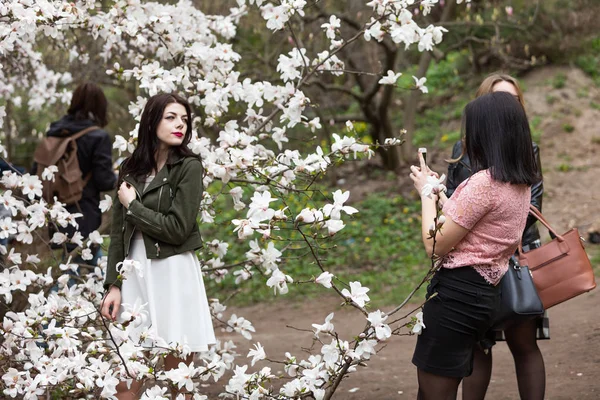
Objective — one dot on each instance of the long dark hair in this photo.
(143, 160)
(89, 102)
(487, 86)
(497, 137)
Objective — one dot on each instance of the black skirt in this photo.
(455, 320)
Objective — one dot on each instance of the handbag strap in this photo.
(538, 215)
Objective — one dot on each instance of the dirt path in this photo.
(570, 160)
(572, 356)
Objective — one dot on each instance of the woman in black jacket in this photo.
(521, 338)
(88, 108)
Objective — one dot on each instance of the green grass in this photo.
(564, 167)
(380, 246)
(536, 132)
(559, 81)
(589, 61)
(568, 128)
(593, 251)
(551, 99)
(583, 92)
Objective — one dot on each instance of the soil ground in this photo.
(572, 356)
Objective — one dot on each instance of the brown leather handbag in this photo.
(561, 268)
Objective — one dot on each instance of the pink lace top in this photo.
(495, 214)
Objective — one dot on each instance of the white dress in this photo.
(177, 308)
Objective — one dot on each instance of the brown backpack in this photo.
(68, 181)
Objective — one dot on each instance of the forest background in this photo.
(516, 37)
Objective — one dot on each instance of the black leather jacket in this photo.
(461, 170)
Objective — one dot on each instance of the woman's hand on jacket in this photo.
(111, 303)
(126, 194)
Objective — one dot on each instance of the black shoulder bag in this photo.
(519, 297)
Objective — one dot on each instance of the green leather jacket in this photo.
(165, 213)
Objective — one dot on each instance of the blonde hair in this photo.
(486, 87)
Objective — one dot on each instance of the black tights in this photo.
(529, 365)
(436, 387)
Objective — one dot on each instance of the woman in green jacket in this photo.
(151, 259)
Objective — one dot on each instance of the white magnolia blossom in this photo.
(130, 267)
(59, 238)
(123, 145)
(420, 84)
(278, 281)
(31, 186)
(334, 210)
(218, 248)
(95, 237)
(433, 185)
(334, 226)
(357, 293)
(390, 78)
(289, 67)
(331, 27)
(183, 376)
(327, 327)
(365, 349)
(324, 279)
(48, 173)
(68, 266)
(259, 209)
(240, 325)
(382, 330)
(135, 312)
(392, 141)
(105, 204)
(309, 216)
(245, 227)
(257, 353)
(237, 194)
(418, 325)
(86, 254)
(347, 145)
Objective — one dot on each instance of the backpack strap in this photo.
(52, 148)
(77, 136)
(83, 132)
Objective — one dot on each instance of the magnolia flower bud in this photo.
(431, 230)
(440, 221)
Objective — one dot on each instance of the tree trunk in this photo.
(392, 160)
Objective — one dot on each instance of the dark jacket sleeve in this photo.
(175, 226)
(116, 248)
(537, 190)
(451, 181)
(102, 171)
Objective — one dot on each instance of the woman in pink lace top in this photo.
(484, 221)
(521, 336)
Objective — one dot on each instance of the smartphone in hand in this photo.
(423, 151)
